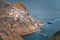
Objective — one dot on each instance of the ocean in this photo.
(44, 10)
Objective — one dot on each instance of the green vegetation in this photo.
(1, 38)
(23, 23)
(56, 36)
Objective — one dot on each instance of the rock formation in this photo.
(15, 21)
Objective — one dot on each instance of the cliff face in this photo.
(19, 6)
(15, 21)
(6, 23)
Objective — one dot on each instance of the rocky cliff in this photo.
(15, 21)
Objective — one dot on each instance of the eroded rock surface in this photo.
(15, 21)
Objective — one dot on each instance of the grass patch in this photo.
(23, 23)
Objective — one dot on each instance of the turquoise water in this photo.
(44, 10)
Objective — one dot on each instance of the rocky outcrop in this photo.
(13, 25)
(56, 36)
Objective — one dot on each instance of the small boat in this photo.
(50, 22)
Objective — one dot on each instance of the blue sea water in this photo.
(44, 10)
